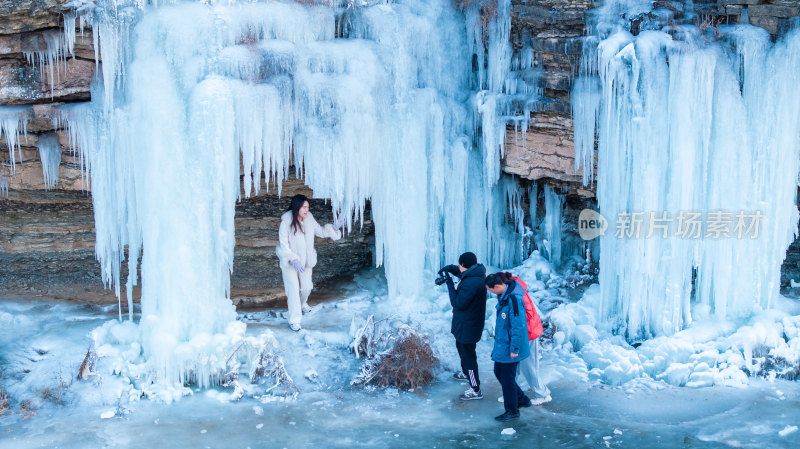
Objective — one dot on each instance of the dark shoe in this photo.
(507, 416)
(525, 404)
(459, 375)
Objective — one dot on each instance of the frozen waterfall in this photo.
(368, 101)
(697, 137)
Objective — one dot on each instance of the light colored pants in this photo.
(530, 369)
(297, 287)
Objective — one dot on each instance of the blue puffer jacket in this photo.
(511, 330)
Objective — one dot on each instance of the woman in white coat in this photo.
(297, 255)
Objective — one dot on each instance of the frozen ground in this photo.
(43, 343)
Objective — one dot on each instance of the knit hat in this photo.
(467, 259)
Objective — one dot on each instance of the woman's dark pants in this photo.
(513, 395)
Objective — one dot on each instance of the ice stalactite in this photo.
(374, 103)
(13, 125)
(533, 206)
(50, 156)
(698, 139)
(585, 103)
(553, 224)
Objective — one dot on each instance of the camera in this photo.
(441, 279)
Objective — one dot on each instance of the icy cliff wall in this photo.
(691, 117)
(54, 228)
(553, 29)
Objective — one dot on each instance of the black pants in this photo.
(513, 396)
(469, 364)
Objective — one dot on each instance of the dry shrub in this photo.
(398, 358)
(710, 24)
(269, 365)
(4, 407)
(250, 37)
(87, 367)
(410, 364)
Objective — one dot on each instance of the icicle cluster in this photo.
(688, 123)
(50, 155)
(13, 125)
(57, 47)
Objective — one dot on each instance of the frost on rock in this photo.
(688, 123)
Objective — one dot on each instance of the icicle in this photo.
(50, 156)
(533, 197)
(13, 124)
(3, 185)
(553, 223)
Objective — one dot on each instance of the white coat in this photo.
(300, 245)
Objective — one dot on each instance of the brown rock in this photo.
(540, 155)
(739, 2)
(771, 24)
(780, 11)
(21, 16)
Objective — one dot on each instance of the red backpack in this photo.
(535, 328)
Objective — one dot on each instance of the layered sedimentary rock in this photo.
(47, 246)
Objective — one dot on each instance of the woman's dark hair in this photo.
(297, 204)
(494, 279)
(504, 275)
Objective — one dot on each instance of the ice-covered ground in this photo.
(605, 392)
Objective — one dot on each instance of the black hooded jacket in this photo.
(469, 305)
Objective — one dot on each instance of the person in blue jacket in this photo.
(469, 314)
(510, 343)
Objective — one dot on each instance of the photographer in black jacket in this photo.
(469, 313)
